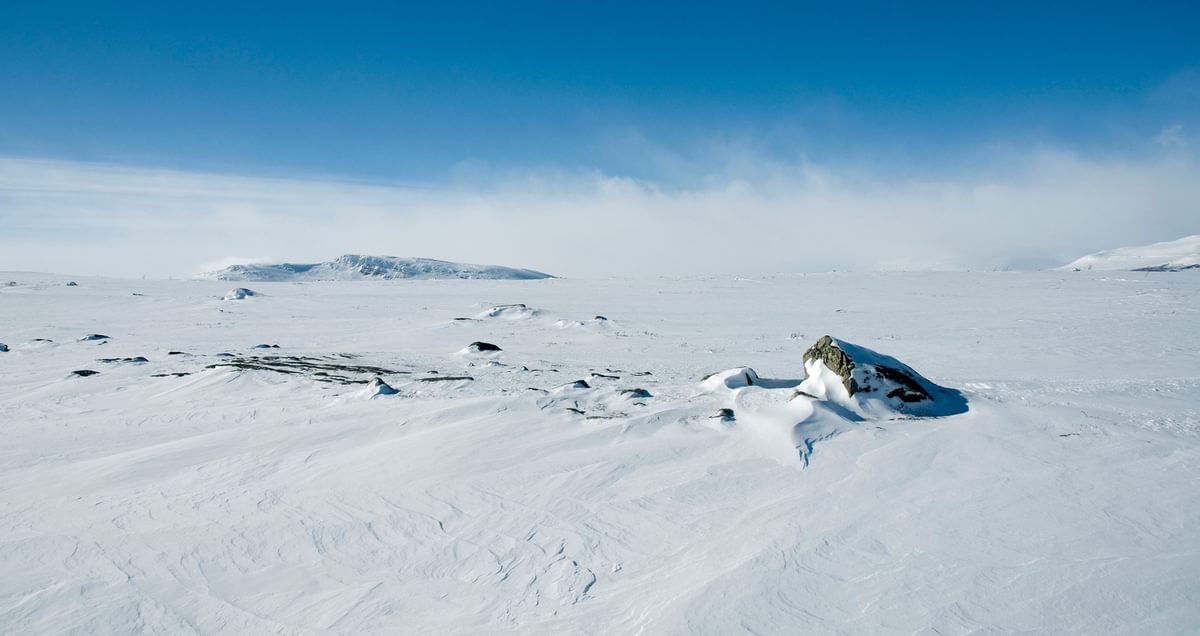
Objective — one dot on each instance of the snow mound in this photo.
(1168, 256)
(872, 385)
(239, 293)
(356, 267)
(517, 311)
(730, 379)
(378, 387)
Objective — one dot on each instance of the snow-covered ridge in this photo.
(1168, 256)
(355, 267)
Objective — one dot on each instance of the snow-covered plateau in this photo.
(616, 456)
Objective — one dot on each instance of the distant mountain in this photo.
(1169, 256)
(355, 267)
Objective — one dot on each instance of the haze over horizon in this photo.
(594, 139)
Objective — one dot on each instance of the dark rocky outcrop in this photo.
(866, 374)
(83, 373)
(636, 393)
(482, 347)
(93, 336)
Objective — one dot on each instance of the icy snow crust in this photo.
(588, 479)
(1178, 255)
(355, 267)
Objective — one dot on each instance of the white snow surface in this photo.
(355, 267)
(1174, 255)
(498, 495)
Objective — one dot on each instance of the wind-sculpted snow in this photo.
(355, 267)
(369, 471)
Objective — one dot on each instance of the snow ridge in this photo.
(1168, 256)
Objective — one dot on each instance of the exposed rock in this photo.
(83, 373)
(446, 378)
(635, 393)
(3, 347)
(93, 336)
(378, 387)
(72, 284)
(873, 383)
(481, 347)
(725, 415)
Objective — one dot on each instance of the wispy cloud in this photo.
(1039, 207)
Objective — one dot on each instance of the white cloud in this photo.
(762, 217)
(1171, 137)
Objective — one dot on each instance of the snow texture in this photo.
(591, 480)
(355, 267)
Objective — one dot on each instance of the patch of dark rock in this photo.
(641, 373)
(578, 384)
(225, 354)
(3, 348)
(137, 294)
(635, 393)
(265, 346)
(725, 415)
(480, 347)
(600, 318)
(176, 353)
(534, 388)
(83, 373)
(72, 284)
(1069, 435)
(446, 378)
(605, 376)
(575, 411)
(176, 374)
(93, 336)
(42, 340)
(462, 319)
(133, 360)
(610, 416)
(320, 369)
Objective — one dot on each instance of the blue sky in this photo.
(691, 99)
(402, 91)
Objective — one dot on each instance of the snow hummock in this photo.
(356, 267)
(239, 293)
(1168, 256)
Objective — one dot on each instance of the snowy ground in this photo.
(242, 501)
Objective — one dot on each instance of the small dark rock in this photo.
(575, 411)
(600, 318)
(176, 353)
(605, 376)
(83, 373)
(177, 374)
(3, 347)
(93, 336)
(636, 393)
(479, 347)
(578, 384)
(725, 415)
(446, 378)
(72, 284)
